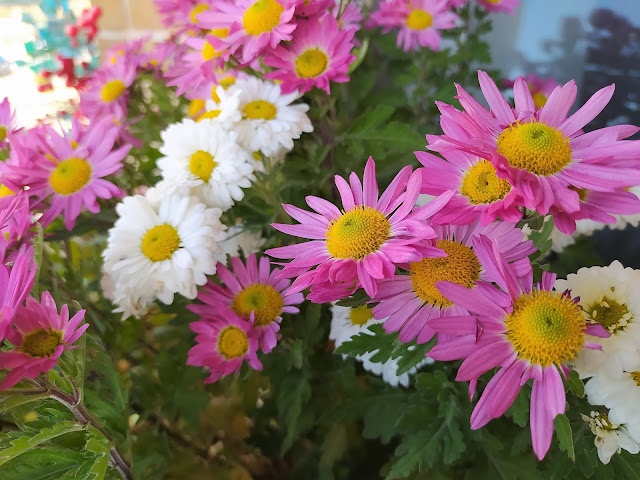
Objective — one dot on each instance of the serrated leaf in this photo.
(542, 237)
(295, 392)
(50, 463)
(575, 384)
(627, 466)
(28, 440)
(99, 446)
(565, 436)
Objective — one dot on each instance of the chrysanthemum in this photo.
(506, 6)
(269, 121)
(362, 243)
(16, 282)
(209, 155)
(221, 108)
(543, 154)
(319, 54)
(310, 8)
(609, 296)
(479, 191)
(611, 436)
(411, 302)
(39, 336)
(540, 88)
(350, 18)
(253, 25)
(254, 293)
(8, 123)
(179, 12)
(418, 21)
(169, 242)
(530, 333)
(223, 344)
(107, 93)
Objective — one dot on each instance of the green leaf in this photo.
(628, 465)
(21, 442)
(50, 463)
(565, 435)
(295, 392)
(38, 245)
(542, 238)
(575, 384)
(356, 300)
(99, 446)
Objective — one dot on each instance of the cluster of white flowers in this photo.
(610, 296)
(169, 239)
(349, 322)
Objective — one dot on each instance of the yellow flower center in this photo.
(70, 176)
(112, 90)
(494, 2)
(262, 299)
(539, 100)
(546, 328)
(260, 109)
(232, 342)
(227, 81)
(357, 233)
(5, 191)
(202, 164)
(3, 132)
(636, 377)
(535, 147)
(360, 315)
(208, 52)
(481, 184)
(609, 313)
(220, 32)
(419, 20)
(261, 17)
(257, 156)
(195, 106)
(160, 242)
(41, 343)
(311, 63)
(201, 7)
(208, 115)
(460, 266)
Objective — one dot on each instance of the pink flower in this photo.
(39, 336)
(530, 333)
(309, 8)
(418, 20)
(410, 302)
(223, 344)
(506, 6)
(539, 87)
(16, 282)
(545, 155)
(15, 218)
(253, 26)
(71, 172)
(182, 14)
(318, 54)
(351, 17)
(362, 243)
(8, 123)
(254, 293)
(107, 93)
(479, 191)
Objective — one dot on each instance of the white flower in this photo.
(129, 300)
(609, 296)
(237, 238)
(225, 112)
(209, 157)
(269, 121)
(389, 369)
(159, 248)
(610, 437)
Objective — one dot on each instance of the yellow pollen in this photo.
(112, 90)
(261, 17)
(260, 109)
(209, 52)
(481, 184)
(208, 115)
(195, 107)
(201, 165)
(220, 32)
(3, 132)
(201, 7)
(160, 242)
(546, 328)
(70, 176)
(636, 377)
(5, 191)
(357, 233)
(311, 63)
(232, 342)
(257, 156)
(360, 315)
(262, 299)
(227, 81)
(419, 20)
(460, 266)
(74, 144)
(612, 315)
(41, 343)
(539, 100)
(535, 147)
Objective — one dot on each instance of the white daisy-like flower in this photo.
(224, 112)
(609, 296)
(389, 369)
(129, 300)
(159, 248)
(237, 238)
(611, 436)
(208, 155)
(269, 120)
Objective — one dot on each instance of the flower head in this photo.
(540, 88)
(39, 335)
(8, 123)
(107, 94)
(503, 6)
(611, 436)
(16, 282)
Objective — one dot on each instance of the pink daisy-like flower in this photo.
(254, 293)
(8, 123)
(15, 219)
(318, 54)
(308, 8)
(530, 333)
(479, 191)
(183, 14)
(107, 94)
(543, 154)
(505, 6)
(418, 20)
(539, 87)
(39, 336)
(410, 302)
(15, 284)
(361, 244)
(252, 25)
(223, 343)
(71, 173)
(350, 18)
